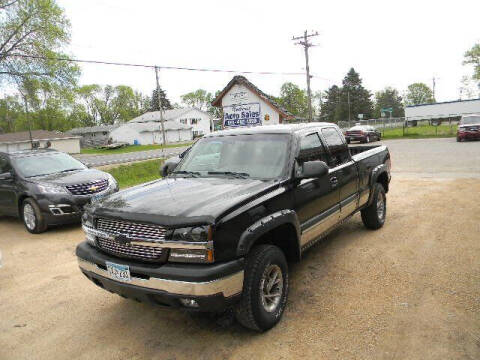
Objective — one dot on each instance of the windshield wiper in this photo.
(183, 172)
(239, 175)
(67, 170)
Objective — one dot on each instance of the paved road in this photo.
(434, 158)
(100, 160)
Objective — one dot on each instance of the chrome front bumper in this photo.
(227, 286)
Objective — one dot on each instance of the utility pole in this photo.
(160, 107)
(28, 120)
(349, 112)
(304, 42)
(433, 88)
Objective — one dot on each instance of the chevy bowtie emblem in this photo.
(93, 188)
(122, 239)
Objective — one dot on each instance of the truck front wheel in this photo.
(373, 216)
(265, 288)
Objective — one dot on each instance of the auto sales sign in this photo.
(241, 115)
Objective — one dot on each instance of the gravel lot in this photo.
(408, 291)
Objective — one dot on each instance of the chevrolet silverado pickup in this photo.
(218, 232)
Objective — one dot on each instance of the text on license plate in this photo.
(118, 272)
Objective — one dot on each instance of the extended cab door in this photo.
(316, 200)
(8, 203)
(343, 170)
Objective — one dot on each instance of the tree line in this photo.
(42, 91)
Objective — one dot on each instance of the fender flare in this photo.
(376, 172)
(266, 224)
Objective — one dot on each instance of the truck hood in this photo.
(181, 201)
(70, 177)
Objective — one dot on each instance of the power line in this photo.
(155, 66)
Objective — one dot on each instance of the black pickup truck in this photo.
(217, 232)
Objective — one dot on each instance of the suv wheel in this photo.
(265, 288)
(374, 215)
(32, 217)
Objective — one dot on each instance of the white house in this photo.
(150, 132)
(200, 121)
(244, 104)
(39, 139)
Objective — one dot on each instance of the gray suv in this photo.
(48, 187)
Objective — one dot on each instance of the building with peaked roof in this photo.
(10, 142)
(200, 121)
(150, 132)
(244, 104)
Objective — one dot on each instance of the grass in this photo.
(130, 148)
(136, 173)
(419, 132)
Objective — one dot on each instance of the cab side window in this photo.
(339, 153)
(311, 148)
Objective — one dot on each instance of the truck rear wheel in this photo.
(373, 216)
(265, 288)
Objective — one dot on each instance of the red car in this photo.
(468, 128)
(362, 133)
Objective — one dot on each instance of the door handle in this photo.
(334, 181)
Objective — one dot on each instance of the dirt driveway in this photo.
(408, 291)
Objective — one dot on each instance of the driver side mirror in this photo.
(313, 169)
(6, 176)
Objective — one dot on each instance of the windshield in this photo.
(470, 120)
(45, 164)
(260, 156)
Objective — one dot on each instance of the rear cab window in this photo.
(337, 148)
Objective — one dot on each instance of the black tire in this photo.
(251, 312)
(39, 225)
(458, 139)
(371, 217)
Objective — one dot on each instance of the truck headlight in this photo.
(195, 234)
(87, 221)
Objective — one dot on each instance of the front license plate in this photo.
(118, 272)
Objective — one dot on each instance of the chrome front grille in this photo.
(88, 188)
(135, 231)
(139, 252)
(131, 229)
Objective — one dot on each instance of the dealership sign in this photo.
(241, 115)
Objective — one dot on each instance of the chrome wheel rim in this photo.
(380, 206)
(29, 216)
(271, 287)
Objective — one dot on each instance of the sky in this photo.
(390, 43)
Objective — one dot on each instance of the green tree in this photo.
(32, 34)
(107, 105)
(388, 98)
(472, 57)
(294, 99)
(11, 113)
(166, 105)
(200, 99)
(354, 99)
(331, 104)
(418, 93)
